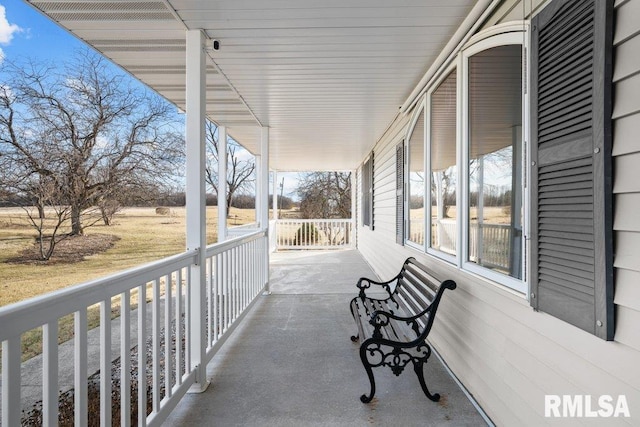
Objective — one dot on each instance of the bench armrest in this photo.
(365, 283)
(381, 318)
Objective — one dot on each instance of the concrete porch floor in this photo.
(291, 362)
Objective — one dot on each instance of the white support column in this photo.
(196, 196)
(222, 183)
(262, 197)
(263, 180)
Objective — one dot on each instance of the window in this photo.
(442, 162)
(416, 190)
(466, 190)
(495, 160)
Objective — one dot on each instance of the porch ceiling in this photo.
(327, 77)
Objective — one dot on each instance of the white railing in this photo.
(314, 233)
(237, 272)
(151, 339)
(492, 248)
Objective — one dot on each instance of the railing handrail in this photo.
(248, 226)
(59, 303)
(331, 220)
(218, 248)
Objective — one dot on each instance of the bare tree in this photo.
(74, 142)
(240, 172)
(325, 194)
(86, 130)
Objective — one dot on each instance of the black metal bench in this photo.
(393, 329)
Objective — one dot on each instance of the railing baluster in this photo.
(125, 358)
(168, 301)
(50, 373)
(105, 362)
(80, 369)
(187, 317)
(217, 297)
(11, 381)
(236, 280)
(155, 314)
(178, 326)
(142, 355)
(210, 332)
(227, 286)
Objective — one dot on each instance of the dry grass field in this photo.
(142, 236)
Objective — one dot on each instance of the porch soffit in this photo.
(327, 77)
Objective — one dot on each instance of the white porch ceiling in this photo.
(326, 76)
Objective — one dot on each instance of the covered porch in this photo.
(303, 88)
(291, 362)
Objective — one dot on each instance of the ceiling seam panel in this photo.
(173, 11)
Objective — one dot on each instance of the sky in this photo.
(26, 33)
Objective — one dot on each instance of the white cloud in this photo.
(7, 30)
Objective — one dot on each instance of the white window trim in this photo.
(517, 35)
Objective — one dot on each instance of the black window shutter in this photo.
(371, 192)
(400, 193)
(366, 186)
(367, 192)
(571, 230)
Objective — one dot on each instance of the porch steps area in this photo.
(291, 362)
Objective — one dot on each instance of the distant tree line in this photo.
(243, 201)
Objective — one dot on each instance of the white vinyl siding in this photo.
(506, 354)
(626, 188)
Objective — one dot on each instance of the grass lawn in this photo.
(143, 236)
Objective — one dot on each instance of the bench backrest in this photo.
(417, 289)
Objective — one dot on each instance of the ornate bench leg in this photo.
(365, 362)
(418, 367)
(355, 337)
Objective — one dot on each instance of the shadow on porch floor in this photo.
(291, 362)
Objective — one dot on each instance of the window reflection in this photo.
(443, 166)
(495, 160)
(416, 182)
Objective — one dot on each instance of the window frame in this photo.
(514, 34)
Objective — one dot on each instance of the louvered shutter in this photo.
(572, 268)
(400, 193)
(365, 202)
(367, 192)
(371, 192)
